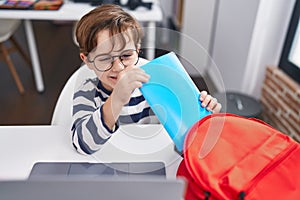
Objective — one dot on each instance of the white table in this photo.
(22, 146)
(74, 11)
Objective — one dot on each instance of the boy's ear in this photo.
(84, 59)
(138, 47)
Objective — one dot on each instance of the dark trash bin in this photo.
(239, 104)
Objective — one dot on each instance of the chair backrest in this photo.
(7, 28)
(62, 114)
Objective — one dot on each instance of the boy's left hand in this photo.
(209, 102)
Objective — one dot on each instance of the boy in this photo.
(109, 40)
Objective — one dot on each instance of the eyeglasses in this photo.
(104, 62)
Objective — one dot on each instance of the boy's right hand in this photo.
(128, 80)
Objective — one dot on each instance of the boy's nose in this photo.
(117, 65)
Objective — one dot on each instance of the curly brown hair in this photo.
(106, 17)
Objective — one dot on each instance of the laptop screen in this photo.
(97, 169)
(94, 188)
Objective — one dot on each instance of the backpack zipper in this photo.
(267, 169)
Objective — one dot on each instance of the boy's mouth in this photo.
(113, 77)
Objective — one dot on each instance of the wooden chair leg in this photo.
(12, 68)
(20, 50)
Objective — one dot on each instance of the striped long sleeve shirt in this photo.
(89, 132)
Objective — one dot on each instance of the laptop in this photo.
(93, 188)
(124, 169)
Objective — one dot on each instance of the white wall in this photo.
(249, 36)
(267, 42)
(196, 34)
(243, 65)
(167, 9)
(235, 24)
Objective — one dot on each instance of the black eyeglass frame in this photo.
(113, 59)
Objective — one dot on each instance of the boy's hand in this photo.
(209, 102)
(128, 80)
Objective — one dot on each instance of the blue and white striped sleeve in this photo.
(88, 129)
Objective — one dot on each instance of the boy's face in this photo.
(105, 59)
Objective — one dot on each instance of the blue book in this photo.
(173, 96)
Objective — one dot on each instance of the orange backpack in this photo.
(231, 157)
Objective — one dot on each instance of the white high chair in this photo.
(62, 114)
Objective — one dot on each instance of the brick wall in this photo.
(281, 102)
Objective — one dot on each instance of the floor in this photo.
(59, 59)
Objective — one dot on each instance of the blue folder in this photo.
(173, 96)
